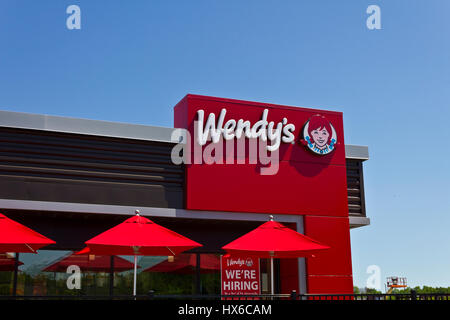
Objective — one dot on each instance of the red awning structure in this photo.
(139, 236)
(97, 264)
(15, 237)
(187, 263)
(274, 240)
(8, 264)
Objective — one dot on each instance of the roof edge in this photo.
(85, 126)
(356, 152)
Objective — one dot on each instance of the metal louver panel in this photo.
(355, 188)
(63, 167)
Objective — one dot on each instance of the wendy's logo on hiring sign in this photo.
(319, 135)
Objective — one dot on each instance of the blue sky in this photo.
(133, 61)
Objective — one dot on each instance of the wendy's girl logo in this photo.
(319, 135)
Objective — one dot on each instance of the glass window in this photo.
(34, 279)
(57, 272)
(172, 275)
(7, 264)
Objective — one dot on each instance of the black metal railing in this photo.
(261, 297)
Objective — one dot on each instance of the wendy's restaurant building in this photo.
(225, 167)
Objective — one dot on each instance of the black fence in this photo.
(413, 296)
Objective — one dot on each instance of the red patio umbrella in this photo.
(99, 264)
(15, 237)
(139, 236)
(274, 240)
(186, 263)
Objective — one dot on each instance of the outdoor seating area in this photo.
(109, 264)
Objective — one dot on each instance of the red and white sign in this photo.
(310, 180)
(303, 176)
(240, 275)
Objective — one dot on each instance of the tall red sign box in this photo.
(307, 181)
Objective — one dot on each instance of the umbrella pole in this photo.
(271, 276)
(134, 280)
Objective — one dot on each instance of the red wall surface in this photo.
(330, 272)
(306, 184)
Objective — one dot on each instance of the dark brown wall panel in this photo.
(355, 188)
(61, 167)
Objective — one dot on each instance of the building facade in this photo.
(71, 179)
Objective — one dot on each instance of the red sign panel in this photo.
(240, 275)
(307, 176)
(301, 171)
